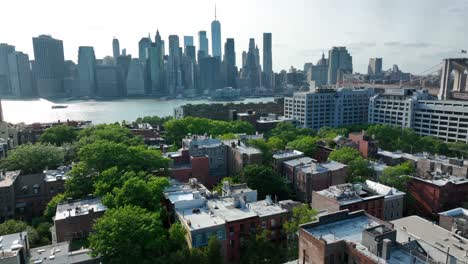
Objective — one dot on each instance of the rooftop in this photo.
(242, 148)
(299, 161)
(288, 154)
(199, 218)
(382, 189)
(441, 180)
(433, 239)
(457, 212)
(59, 174)
(201, 142)
(322, 167)
(226, 209)
(348, 193)
(11, 243)
(78, 208)
(266, 207)
(8, 178)
(59, 254)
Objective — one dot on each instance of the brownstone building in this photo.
(365, 144)
(240, 155)
(352, 198)
(75, 220)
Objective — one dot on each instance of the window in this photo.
(231, 230)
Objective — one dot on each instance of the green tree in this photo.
(129, 233)
(260, 249)
(344, 155)
(51, 207)
(301, 215)
(80, 181)
(153, 120)
(228, 136)
(58, 135)
(397, 176)
(267, 151)
(33, 158)
(360, 170)
(265, 180)
(275, 143)
(115, 178)
(136, 191)
(305, 144)
(219, 187)
(110, 132)
(287, 132)
(214, 253)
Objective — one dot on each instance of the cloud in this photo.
(360, 46)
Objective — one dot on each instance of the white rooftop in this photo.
(288, 154)
(78, 208)
(298, 161)
(433, 239)
(383, 189)
(225, 208)
(456, 212)
(59, 174)
(199, 218)
(266, 207)
(441, 180)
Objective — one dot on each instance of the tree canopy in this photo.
(265, 180)
(305, 144)
(58, 135)
(34, 158)
(153, 120)
(128, 233)
(344, 155)
(397, 176)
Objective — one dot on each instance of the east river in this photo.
(40, 110)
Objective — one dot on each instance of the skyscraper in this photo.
(143, 45)
(188, 41)
(318, 73)
(156, 67)
(135, 79)
(86, 71)
(252, 67)
(339, 63)
(216, 37)
(267, 60)
(49, 65)
(174, 74)
(203, 44)
(5, 50)
(375, 66)
(20, 74)
(230, 63)
(115, 49)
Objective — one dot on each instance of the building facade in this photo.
(328, 107)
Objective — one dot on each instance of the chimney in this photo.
(386, 248)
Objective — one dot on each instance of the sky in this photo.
(415, 34)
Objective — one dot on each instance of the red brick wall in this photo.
(234, 240)
(83, 225)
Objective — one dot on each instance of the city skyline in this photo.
(299, 38)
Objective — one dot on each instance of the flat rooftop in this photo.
(298, 161)
(441, 180)
(348, 193)
(59, 254)
(457, 212)
(59, 173)
(432, 238)
(349, 230)
(78, 208)
(9, 178)
(199, 218)
(11, 243)
(242, 148)
(288, 154)
(266, 208)
(225, 208)
(324, 166)
(382, 189)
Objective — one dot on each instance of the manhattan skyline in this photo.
(415, 35)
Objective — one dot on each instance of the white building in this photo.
(328, 107)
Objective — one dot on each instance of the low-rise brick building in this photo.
(455, 220)
(365, 144)
(351, 197)
(240, 155)
(75, 219)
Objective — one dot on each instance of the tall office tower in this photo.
(375, 67)
(244, 59)
(216, 37)
(252, 69)
(135, 78)
(174, 61)
(188, 41)
(210, 74)
(123, 63)
(156, 67)
(108, 81)
(203, 44)
(188, 72)
(115, 49)
(20, 74)
(267, 61)
(86, 72)
(5, 50)
(339, 63)
(190, 53)
(230, 63)
(49, 65)
(143, 45)
(318, 73)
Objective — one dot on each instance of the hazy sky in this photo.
(415, 34)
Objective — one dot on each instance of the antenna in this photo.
(215, 12)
